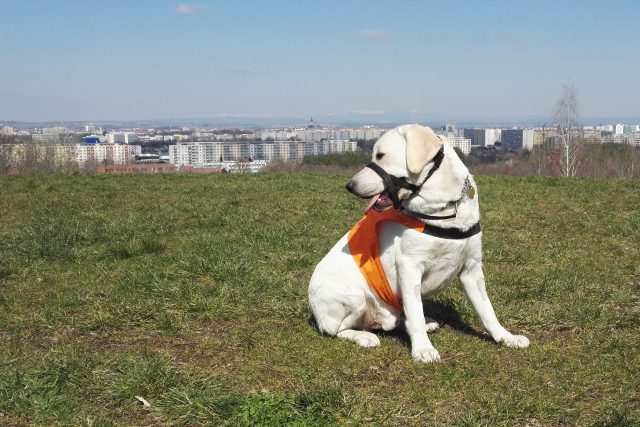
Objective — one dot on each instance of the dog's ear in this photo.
(422, 146)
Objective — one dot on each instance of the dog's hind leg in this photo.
(340, 320)
(430, 324)
(362, 338)
(343, 319)
(386, 320)
(346, 330)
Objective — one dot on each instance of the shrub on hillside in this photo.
(358, 158)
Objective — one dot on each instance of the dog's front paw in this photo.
(426, 355)
(516, 341)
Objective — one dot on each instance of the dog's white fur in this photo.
(417, 265)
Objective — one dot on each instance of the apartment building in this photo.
(114, 154)
(517, 139)
(481, 137)
(203, 154)
(461, 143)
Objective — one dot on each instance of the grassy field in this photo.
(190, 292)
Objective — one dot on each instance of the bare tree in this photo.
(243, 164)
(632, 148)
(566, 116)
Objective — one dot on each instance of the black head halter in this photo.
(393, 183)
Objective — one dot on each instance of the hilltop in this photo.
(190, 292)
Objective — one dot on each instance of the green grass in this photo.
(190, 291)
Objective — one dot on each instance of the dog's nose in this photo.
(350, 186)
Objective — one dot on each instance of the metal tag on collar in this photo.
(471, 192)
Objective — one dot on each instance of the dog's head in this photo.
(404, 152)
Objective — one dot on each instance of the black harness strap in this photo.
(451, 233)
(437, 161)
(392, 182)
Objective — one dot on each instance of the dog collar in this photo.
(452, 233)
(452, 204)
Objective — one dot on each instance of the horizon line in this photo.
(330, 119)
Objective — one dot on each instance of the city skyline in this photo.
(285, 61)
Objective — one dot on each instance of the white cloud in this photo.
(240, 71)
(367, 112)
(375, 35)
(188, 8)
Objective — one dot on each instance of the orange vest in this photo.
(365, 249)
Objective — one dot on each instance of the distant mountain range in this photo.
(348, 119)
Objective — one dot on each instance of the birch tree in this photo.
(566, 116)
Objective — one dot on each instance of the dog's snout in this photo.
(350, 187)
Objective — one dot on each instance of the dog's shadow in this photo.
(443, 312)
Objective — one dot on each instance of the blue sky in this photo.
(144, 59)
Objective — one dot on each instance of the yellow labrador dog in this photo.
(417, 172)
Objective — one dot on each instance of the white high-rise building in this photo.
(491, 136)
(618, 129)
(55, 130)
(6, 130)
(113, 153)
(460, 142)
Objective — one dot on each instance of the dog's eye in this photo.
(379, 156)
